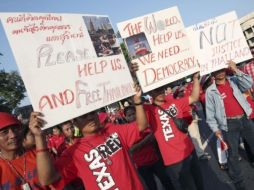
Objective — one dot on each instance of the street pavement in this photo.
(216, 179)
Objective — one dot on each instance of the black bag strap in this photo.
(165, 111)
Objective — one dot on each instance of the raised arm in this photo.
(46, 171)
(194, 97)
(140, 112)
(243, 81)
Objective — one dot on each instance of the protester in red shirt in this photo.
(17, 166)
(56, 140)
(145, 156)
(227, 113)
(175, 146)
(69, 139)
(68, 132)
(101, 158)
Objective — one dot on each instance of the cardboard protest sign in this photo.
(70, 63)
(218, 40)
(157, 42)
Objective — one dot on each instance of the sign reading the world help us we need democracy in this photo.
(218, 40)
(69, 62)
(158, 43)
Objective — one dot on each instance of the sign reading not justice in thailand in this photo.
(218, 40)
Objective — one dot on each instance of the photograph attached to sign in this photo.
(102, 36)
(138, 45)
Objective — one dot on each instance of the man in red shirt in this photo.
(68, 133)
(17, 166)
(101, 158)
(55, 141)
(176, 147)
(227, 114)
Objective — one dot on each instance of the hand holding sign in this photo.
(36, 123)
(134, 67)
(232, 66)
(137, 96)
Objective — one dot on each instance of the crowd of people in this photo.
(151, 137)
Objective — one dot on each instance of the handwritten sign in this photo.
(218, 40)
(70, 64)
(158, 43)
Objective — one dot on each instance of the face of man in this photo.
(219, 75)
(56, 131)
(130, 115)
(9, 138)
(68, 130)
(88, 123)
(168, 90)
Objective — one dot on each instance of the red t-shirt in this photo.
(11, 180)
(87, 159)
(55, 141)
(147, 154)
(174, 145)
(229, 100)
(64, 146)
(169, 97)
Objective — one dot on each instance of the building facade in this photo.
(247, 24)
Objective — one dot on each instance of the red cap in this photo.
(102, 117)
(7, 119)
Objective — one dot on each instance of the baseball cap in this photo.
(7, 119)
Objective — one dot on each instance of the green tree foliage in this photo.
(12, 90)
(125, 52)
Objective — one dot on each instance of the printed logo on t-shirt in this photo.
(172, 110)
(164, 119)
(97, 164)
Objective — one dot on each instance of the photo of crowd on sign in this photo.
(138, 45)
(102, 36)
